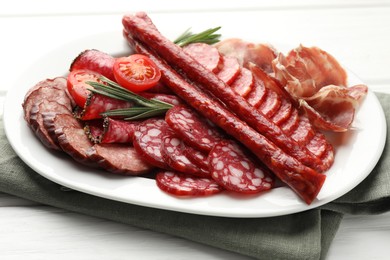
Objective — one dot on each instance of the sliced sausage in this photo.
(193, 129)
(75, 142)
(230, 69)
(173, 153)
(231, 168)
(118, 158)
(180, 184)
(243, 83)
(205, 54)
(49, 89)
(37, 121)
(148, 138)
(110, 130)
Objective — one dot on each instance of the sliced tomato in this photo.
(77, 86)
(136, 72)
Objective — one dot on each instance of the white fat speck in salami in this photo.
(180, 184)
(191, 128)
(234, 170)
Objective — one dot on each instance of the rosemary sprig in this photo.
(208, 36)
(143, 108)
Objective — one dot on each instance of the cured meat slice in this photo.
(304, 132)
(53, 121)
(291, 123)
(96, 104)
(243, 83)
(318, 144)
(110, 130)
(270, 104)
(49, 89)
(205, 54)
(75, 143)
(180, 184)
(303, 180)
(283, 113)
(144, 30)
(331, 108)
(148, 138)
(119, 159)
(199, 158)
(246, 52)
(96, 61)
(257, 94)
(230, 69)
(231, 168)
(173, 153)
(194, 130)
(37, 122)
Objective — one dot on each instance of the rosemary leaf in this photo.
(207, 36)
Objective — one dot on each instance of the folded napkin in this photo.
(305, 235)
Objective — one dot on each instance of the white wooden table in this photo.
(355, 31)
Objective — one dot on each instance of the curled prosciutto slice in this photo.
(260, 54)
(331, 108)
(317, 82)
(304, 71)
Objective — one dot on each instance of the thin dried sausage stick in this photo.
(303, 180)
(141, 28)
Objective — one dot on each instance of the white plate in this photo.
(357, 152)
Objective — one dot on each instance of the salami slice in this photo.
(96, 61)
(283, 112)
(194, 130)
(53, 121)
(173, 153)
(205, 54)
(118, 159)
(96, 104)
(110, 130)
(232, 169)
(148, 138)
(199, 158)
(230, 69)
(49, 89)
(304, 132)
(75, 143)
(291, 123)
(257, 94)
(37, 122)
(180, 184)
(318, 144)
(270, 104)
(243, 83)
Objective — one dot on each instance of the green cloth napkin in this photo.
(305, 235)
